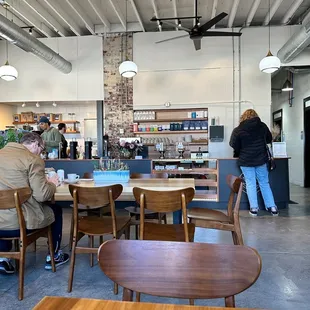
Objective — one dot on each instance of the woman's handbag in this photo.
(271, 164)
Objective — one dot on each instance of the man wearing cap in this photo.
(50, 135)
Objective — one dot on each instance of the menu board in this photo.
(279, 149)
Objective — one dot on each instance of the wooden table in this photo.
(65, 303)
(62, 192)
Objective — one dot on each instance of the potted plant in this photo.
(9, 135)
(129, 150)
(110, 171)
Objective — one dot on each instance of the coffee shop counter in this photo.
(81, 166)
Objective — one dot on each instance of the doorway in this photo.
(307, 142)
(277, 120)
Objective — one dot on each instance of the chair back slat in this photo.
(163, 201)
(235, 184)
(180, 269)
(96, 196)
(159, 175)
(8, 199)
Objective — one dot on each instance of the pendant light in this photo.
(270, 63)
(8, 72)
(127, 68)
(288, 85)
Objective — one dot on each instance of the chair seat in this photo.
(207, 214)
(136, 210)
(167, 232)
(98, 226)
(83, 207)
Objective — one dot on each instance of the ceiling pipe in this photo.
(295, 45)
(30, 44)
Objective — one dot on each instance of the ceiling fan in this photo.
(197, 32)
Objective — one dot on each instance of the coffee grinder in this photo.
(73, 149)
(88, 148)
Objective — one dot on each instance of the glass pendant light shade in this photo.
(8, 73)
(287, 86)
(270, 63)
(128, 69)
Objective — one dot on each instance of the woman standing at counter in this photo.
(249, 141)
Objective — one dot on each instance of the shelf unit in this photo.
(52, 122)
(208, 187)
(169, 120)
(169, 132)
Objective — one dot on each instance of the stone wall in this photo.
(118, 91)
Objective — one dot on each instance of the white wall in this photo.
(173, 71)
(6, 115)
(39, 81)
(292, 120)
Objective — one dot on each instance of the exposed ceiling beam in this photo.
(291, 11)
(273, 9)
(252, 12)
(118, 13)
(64, 16)
(47, 17)
(82, 15)
(175, 11)
(100, 14)
(156, 13)
(133, 4)
(232, 14)
(213, 12)
(20, 9)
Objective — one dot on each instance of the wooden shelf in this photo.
(53, 122)
(173, 144)
(205, 182)
(205, 195)
(170, 120)
(72, 132)
(169, 132)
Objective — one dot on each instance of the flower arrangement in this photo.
(128, 149)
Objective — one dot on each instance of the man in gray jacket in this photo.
(21, 166)
(50, 135)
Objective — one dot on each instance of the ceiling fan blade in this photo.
(175, 25)
(221, 34)
(186, 35)
(197, 44)
(212, 22)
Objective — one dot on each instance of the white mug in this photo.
(72, 177)
(61, 175)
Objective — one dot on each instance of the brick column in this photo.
(118, 91)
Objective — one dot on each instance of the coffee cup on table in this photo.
(72, 177)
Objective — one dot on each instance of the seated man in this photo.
(21, 166)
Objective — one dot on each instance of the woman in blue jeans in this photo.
(249, 141)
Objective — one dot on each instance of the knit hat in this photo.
(43, 119)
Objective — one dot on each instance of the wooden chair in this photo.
(214, 219)
(82, 208)
(93, 225)
(163, 202)
(186, 270)
(14, 198)
(134, 211)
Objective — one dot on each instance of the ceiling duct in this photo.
(28, 43)
(295, 45)
(299, 69)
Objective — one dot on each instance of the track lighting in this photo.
(38, 105)
(160, 24)
(24, 104)
(30, 31)
(198, 22)
(179, 23)
(54, 104)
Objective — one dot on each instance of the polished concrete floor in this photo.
(283, 243)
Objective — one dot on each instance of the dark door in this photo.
(307, 142)
(277, 120)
